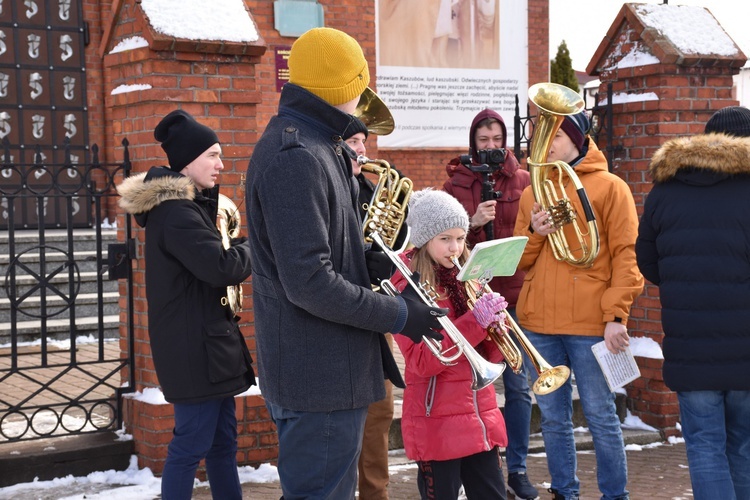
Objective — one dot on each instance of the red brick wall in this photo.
(216, 83)
(151, 427)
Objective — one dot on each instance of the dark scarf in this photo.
(446, 278)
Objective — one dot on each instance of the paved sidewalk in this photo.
(654, 471)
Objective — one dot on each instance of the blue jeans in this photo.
(716, 428)
(203, 430)
(517, 412)
(318, 452)
(599, 409)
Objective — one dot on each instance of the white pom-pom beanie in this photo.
(431, 212)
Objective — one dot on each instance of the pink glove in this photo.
(488, 309)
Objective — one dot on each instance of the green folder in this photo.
(494, 258)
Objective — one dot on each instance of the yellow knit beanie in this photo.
(330, 64)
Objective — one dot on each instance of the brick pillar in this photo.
(669, 94)
(215, 82)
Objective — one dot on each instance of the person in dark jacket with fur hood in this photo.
(693, 244)
(488, 131)
(199, 353)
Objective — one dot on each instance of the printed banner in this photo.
(440, 62)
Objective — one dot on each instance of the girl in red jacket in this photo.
(453, 432)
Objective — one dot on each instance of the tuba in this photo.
(555, 102)
(229, 223)
(549, 378)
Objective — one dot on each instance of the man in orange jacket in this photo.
(566, 310)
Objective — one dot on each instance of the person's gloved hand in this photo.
(379, 265)
(488, 309)
(422, 320)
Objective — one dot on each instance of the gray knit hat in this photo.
(432, 212)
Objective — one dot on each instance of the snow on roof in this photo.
(693, 30)
(124, 89)
(130, 43)
(225, 20)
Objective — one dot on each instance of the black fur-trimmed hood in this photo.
(718, 154)
(141, 193)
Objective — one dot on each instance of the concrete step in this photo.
(59, 329)
(46, 459)
(55, 256)
(89, 262)
(84, 247)
(86, 304)
(84, 238)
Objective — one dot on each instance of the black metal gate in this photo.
(601, 127)
(63, 364)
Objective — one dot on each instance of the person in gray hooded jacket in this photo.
(199, 354)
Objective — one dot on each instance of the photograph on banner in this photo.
(440, 62)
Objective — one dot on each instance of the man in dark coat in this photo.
(199, 354)
(322, 353)
(693, 242)
(508, 180)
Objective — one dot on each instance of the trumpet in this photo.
(555, 102)
(483, 373)
(229, 223)
(549, 378)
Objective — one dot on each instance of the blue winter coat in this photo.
(319, 326)
(694, 243)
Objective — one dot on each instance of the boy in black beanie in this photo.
(199, 353)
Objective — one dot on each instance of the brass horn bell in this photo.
(373, 112)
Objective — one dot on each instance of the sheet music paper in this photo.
(618, 369)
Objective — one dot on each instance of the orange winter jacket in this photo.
(557, 298)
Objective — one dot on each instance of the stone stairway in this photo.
(57, 290)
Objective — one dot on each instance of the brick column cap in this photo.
(634, 17)
(161, 42)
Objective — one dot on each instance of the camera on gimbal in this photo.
(490, 160)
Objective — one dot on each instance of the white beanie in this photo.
(432, 212)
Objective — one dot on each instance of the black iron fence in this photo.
(62, 370)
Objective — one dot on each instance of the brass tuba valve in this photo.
(229, 223)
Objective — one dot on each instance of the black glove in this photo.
(422, 320)
(379, 265)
